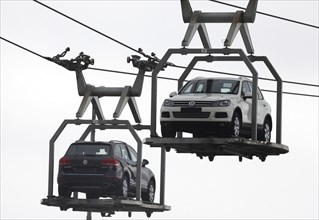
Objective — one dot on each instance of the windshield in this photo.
(211, 86)
(89, 150)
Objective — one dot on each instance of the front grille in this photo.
(190, 114)
(196, 103)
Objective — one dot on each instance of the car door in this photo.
(131, 164)
(246, 104)
(144, 171)
(128, 164)
(262, 107)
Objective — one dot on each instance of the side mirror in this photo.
(247, 95)
(145, 162)
(172, 94)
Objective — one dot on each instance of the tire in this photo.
(150, 194)
(235, 128)
(64, 192)
(92, 195)
(265, 134)
(200, 135)
(123, 190)
(167, 131)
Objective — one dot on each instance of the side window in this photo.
(125, 153)
(260, 95)
(117, 150)
(133, 154)
(245, 87)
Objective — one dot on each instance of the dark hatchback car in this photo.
(103, 169)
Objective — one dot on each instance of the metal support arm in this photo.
(238, 20)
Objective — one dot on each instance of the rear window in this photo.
(88, 150)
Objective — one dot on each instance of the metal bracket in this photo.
(91, 94)
(132, 103)
(238, 20)
(192, 28)
(85, 103)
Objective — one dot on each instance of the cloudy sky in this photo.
(36, 96)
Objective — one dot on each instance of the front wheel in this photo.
(168, 131)
(150, 194)
(235, 127)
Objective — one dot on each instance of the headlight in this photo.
(222, 103)
(168, 102)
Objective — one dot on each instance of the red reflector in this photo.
(109, 162)
(64, 161)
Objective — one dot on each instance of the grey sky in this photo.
(36, 96)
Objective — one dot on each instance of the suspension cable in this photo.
(269, 15)
(166, 78)
(174, 79)
(17, 45)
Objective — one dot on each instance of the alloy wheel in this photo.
(151, 192)
(125, 187)
(267, 132)
(236, 126)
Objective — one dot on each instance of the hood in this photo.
(202, 97)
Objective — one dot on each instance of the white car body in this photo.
(203, 112)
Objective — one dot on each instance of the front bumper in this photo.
(209, 114)
(197, 127)
(207, 120)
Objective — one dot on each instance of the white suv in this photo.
(221, 107)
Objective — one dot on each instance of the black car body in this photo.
(103, 169)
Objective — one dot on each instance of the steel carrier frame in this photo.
(103, 206)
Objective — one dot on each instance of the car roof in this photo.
(222, 78)
(98, 142)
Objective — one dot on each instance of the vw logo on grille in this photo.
(191, 104)
(85, 162)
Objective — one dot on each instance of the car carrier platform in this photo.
(212, 147)
(104, 206)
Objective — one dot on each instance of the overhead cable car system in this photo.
(209, 147)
